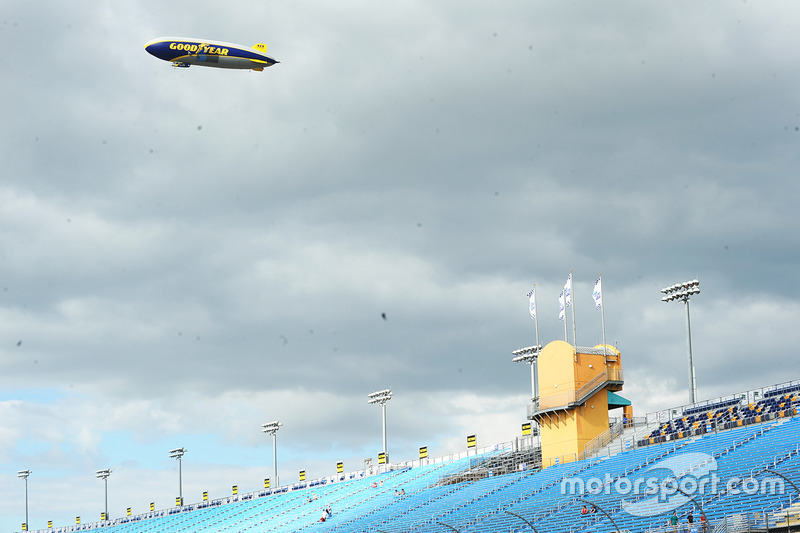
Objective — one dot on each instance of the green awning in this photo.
(615, 400)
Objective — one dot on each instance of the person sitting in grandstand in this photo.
(585, 510)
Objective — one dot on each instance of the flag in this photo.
(568, 291)
(598, 294)
(532, 298)
(561, 315)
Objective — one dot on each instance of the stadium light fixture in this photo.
(271, 428)
(530, 355)
(103, 474)
(381, 397)
(177, 453)
(683, 291)
(24, 475)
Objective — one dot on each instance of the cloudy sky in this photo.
(186, 254)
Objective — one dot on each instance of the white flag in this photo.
(532, 298)
(561, 315)
(568, 290)
(598, 294)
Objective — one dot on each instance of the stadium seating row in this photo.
(726, 415)
(426, 498)
(749, 448)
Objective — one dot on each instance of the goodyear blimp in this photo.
(184, 52)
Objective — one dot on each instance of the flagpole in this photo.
(535, 362)
(536, 320)
(572, 289)
(535, 354)
(602, 314)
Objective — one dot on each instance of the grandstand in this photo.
(748, 442)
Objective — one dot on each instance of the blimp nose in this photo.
(160, 49)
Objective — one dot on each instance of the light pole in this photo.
(381, 397)
(24, 475)
(271, 428)
(103, 474)
(177, 453)
(682, 291)
(530, 355)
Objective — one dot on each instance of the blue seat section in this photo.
(749, 454)
(756, 467)
(792, 390)
(730, 413)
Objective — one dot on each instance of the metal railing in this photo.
(573, 396)
(758, 522)
(744, 398)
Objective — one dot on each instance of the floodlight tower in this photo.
(103, 474)
(177, 453)
(682, 291)
(381, 397)
(530, 355)
(271, 428)
(24, 475)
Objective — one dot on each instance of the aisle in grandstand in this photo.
(756, 465)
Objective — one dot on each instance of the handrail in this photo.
(576, 396)
(601, 440)
(746, 396)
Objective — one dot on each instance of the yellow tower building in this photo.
(577, 388)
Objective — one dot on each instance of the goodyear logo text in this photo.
(199, 48)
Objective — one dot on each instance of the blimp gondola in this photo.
(184, 52)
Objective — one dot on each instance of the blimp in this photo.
(184, 52)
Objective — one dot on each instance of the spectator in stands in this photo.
(585, 510)
(703, 523)
(324, 515)
(690, 519)
(402, 492)
(329, 511)
(674, 521)
(624, 421)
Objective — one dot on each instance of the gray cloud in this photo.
(188, 253)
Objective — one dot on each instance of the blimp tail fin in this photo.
(260, 46)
